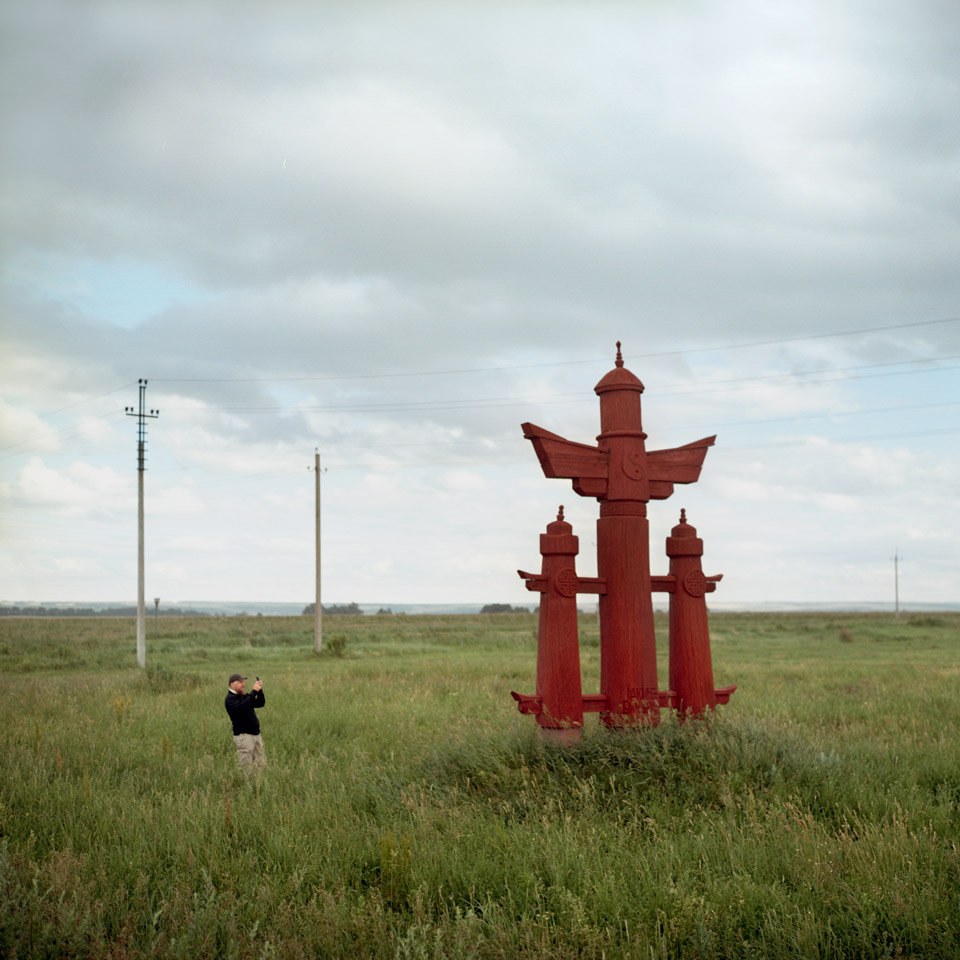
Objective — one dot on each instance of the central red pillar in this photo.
(628, 668)
(628, 671)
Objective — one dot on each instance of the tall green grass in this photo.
(408, 811)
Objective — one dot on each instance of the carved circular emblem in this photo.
(695, 583)
(633, 465)
(566, 582)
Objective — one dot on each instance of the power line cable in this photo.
(50, 413)
(865, 376)
(816, 416)
(494, 441)
(815, 373)
(56, 436)
(909, 434)
(516, 461)
(561, 363)
(578, 397)
(739, 383)
(734, 384)
(859, 438)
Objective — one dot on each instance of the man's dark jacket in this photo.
(241, 710)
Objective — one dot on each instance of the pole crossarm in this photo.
(142, 415)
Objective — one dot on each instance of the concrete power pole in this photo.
(318, 612)
(896, 582)
(142, 416)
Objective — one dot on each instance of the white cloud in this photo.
(461, 481)
(80, 489)
(195, 544)
(408, 146)
(19, 427)
(172, 575)
(95, 431)
(177, 500)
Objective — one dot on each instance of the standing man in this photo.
(246, 727)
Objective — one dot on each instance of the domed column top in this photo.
(619, 393)
(683, 540)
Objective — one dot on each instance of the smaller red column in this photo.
(558, 704)
(691, 669)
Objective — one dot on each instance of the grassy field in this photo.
(408, 810)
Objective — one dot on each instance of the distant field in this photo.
(408, 810)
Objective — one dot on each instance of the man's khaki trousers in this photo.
(250, 752)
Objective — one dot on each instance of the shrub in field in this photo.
(334, 645)
(926, 621)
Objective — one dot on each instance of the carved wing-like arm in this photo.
(676, 465)
(587, 466)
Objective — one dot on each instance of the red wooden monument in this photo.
(623, 476)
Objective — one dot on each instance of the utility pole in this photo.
(142, 416)
(156, 611)
(896, 581)
(318, 612)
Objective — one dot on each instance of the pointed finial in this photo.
(619, 356)
(560, 514)
(683, 515)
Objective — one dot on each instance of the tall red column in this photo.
(628, 662)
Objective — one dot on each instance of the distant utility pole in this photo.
(896, 581)
(142, 416)
(318, 612)
(156, 611)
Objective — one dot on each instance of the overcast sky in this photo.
(394, 232)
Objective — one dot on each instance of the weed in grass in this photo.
(395, 855)
(121, 708)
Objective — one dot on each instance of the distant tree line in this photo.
(14, 611)
(335, 609)
(503, 608)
